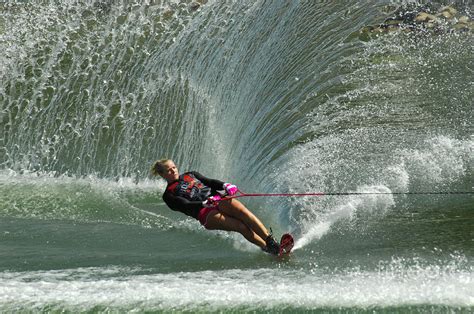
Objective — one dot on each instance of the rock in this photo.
(363, 34)
(378, 30)
(389, 9)
(393, 28)
(425, 17)
(393, 22)
(452, 11)
(463, 19)
(461, 27)
(194, 6)
(168, 14)
(366, 29)
(446, 14)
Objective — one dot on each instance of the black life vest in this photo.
(189, 187)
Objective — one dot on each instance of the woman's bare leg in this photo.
(236, 209)
(220, 221)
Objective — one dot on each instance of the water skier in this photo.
(201, 198)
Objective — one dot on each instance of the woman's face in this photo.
(170, 173)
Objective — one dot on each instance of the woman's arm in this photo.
(212, 183)
(180, 203)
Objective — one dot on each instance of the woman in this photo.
(199, 197)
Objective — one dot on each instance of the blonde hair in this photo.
(158, 167)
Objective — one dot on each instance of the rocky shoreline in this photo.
(426, 19)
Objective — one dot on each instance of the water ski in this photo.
(286, 244)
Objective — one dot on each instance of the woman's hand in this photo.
(230, 189)
(212, 201)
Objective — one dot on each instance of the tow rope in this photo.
(242, 194)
